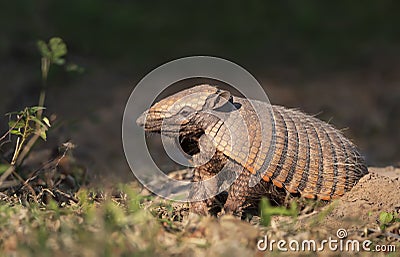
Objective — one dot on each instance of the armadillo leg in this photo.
(238, 192)
(200, 191)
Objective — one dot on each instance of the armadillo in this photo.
(285, 148)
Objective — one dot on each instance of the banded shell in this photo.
(293, 150)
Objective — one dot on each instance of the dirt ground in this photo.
(375, 193)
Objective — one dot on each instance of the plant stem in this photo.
(42, 98)
(45, 67)
(15, 155)
(27, 148)
(19, 157)
(20, 141)
(7, 173)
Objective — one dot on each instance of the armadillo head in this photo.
(181, 112)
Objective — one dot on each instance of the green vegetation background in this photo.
(308, 34)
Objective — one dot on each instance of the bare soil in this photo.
(376, 192)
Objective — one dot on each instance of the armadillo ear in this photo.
(219, 99)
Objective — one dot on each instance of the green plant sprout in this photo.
(267, 211)
(29, 124)
(52, 53)
(387, 218)
(24, 126)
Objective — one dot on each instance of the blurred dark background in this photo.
(338, 59)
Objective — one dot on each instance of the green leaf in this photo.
(35, 109)
(37, 121)
(385, 218)
(16, 132)
(4, 167)
(58, 49)
(44, 49)
(16, 125)
(43, 135)
(54, 50)
(72, 67)
(46, 121)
